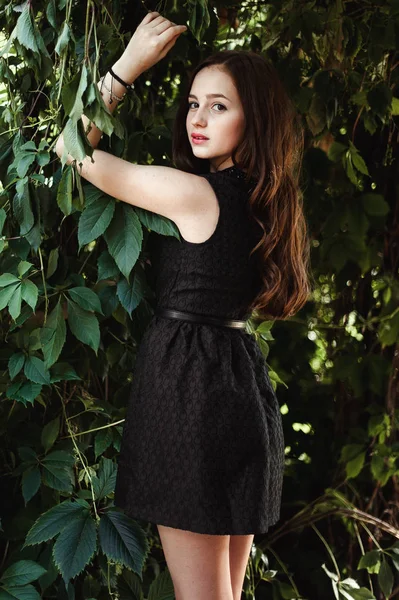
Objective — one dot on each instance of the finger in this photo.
(168, 47)
(149, 17)
(162, 26)
(172, 31)
(157, 20)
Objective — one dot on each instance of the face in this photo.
(220, 118)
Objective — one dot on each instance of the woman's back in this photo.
(215, 277)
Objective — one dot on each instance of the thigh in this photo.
(240, 548)
(199, 564)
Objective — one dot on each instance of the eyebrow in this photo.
(210, 96)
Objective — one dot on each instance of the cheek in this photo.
(236, 128)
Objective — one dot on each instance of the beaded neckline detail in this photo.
(236, 172)
(233, 171)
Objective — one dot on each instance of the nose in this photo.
(198, 118)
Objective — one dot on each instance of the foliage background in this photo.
(76, 295)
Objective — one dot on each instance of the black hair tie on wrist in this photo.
(128, 86)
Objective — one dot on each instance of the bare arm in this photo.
(166, 191)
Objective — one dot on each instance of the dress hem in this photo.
(197, 529)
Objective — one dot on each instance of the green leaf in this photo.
(336, 151)
(84, 325)
(86, 298)
(60, 458)
(50, 433)
(357, 159)
(72, 141)
(3, 217)
(286, 590)
(378, 423)
(8, 279)
(129, 586)
(97, 114)
(348, 166)
(50, 523)
(354, 466)
(29, 293)
(23, 161)
(19, 592)
(31, 479)
(6, 294)
(52, 262)
(42, 159)
(95, 219)
(359, 163)
(158, 223)
(388, 331)
(15, 364)
(123, 541)
(362, 594)
(14, 304)
(64, 191)
(102, 441)
(75, 545)
(25, 392)
(21, 573)
(124, 237)
(385, 578)
(22, 209)
(13, 389)
(77, 109)
(199, 19)
(29, 145)
(35, 370)
(24, 267)
(27, 455)
(162, 587)
(57, 470)
(53, 335)
(104, 483)
(130, 295)
(63, 371)
(395, 559)
(370, 561)
(107, 268)
(63, 38)
(58, 478)
(380, 470)
(350, 451)
(24, 30)
(359, 98)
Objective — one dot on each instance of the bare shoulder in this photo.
(167, 191)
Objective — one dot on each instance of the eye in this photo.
(217, 104)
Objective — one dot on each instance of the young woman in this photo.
(202, 452)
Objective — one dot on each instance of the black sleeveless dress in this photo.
(202, 446)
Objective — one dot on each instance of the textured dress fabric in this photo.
(202, 446)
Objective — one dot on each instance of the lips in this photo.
(199, 137)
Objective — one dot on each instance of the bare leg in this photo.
(240, 547)
(198, 564)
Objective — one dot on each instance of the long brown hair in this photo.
(271, 153)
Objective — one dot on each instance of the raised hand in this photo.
(151, 41)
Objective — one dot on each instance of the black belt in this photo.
(196, 318)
